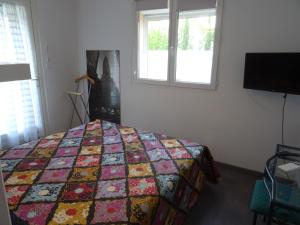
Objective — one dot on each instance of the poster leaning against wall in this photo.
(104, 101)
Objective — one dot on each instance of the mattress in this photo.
(102, 173)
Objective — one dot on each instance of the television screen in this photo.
(279, 72)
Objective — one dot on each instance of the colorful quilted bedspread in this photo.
(101, 173)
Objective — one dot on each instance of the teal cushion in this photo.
(260, 202)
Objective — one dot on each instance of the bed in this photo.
(102, 173)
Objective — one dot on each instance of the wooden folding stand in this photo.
(74, 95)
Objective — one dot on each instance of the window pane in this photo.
(195, 46)
(154, 41)
(20, 114)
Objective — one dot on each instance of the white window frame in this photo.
(172, 51)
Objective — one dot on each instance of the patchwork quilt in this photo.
(101, 173)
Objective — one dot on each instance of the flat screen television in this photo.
(278, 72)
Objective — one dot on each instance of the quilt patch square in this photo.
(136, 157)
(62, 162)
(111, 132)
(45, 143)
(185, 200)
(70, 142)
(5, 174)
(108, 125)
(188, 143)
(59, 135)
(111, 189)
(184, 166)
(171, 217)
(168, 185)
(110, 211)
(9, 164)
(41, 153)
(92, 141)
(92, 133)
(165, 167)
(87, 160)
(60, 175)
(71, 213)
(149, 145)
(68, 151)
(90, 150)
(193, 199)
(14, 193)
(81, 127)
(179, 153)
(195, 151)
(16, 154)
(139, 131)
(111, 172)
(148, 137)
(140, 170)
(30, 145)
(113, 159)
(142, 186)
(194, 173)
(134, 146)
(179, 219)
(84, 174)
(130, 138)
(158, 154)
(199, 181)
(43, 192)
(171, 143)
(143, 209)
(93, 126)
(78, 191)
(2, 152)
(127, 130)
(75, 134)
(107, 140)
(162, 213)
(25, 177)
(179, 192)
(32, 164)
(35, 213)
(114, 148)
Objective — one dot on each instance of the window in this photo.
(154, 44)
(178, 42)
(20, 114)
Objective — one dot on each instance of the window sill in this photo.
(151, 82)
(175, 84)
(193, 85)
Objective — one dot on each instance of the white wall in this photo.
(241, 127)
(56, 25)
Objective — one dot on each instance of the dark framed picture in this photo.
(104, 101)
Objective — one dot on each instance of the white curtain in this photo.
(20, 111)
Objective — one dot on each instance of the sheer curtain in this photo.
(20, 110)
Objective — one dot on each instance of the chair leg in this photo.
(269, 218)
(254, 219)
